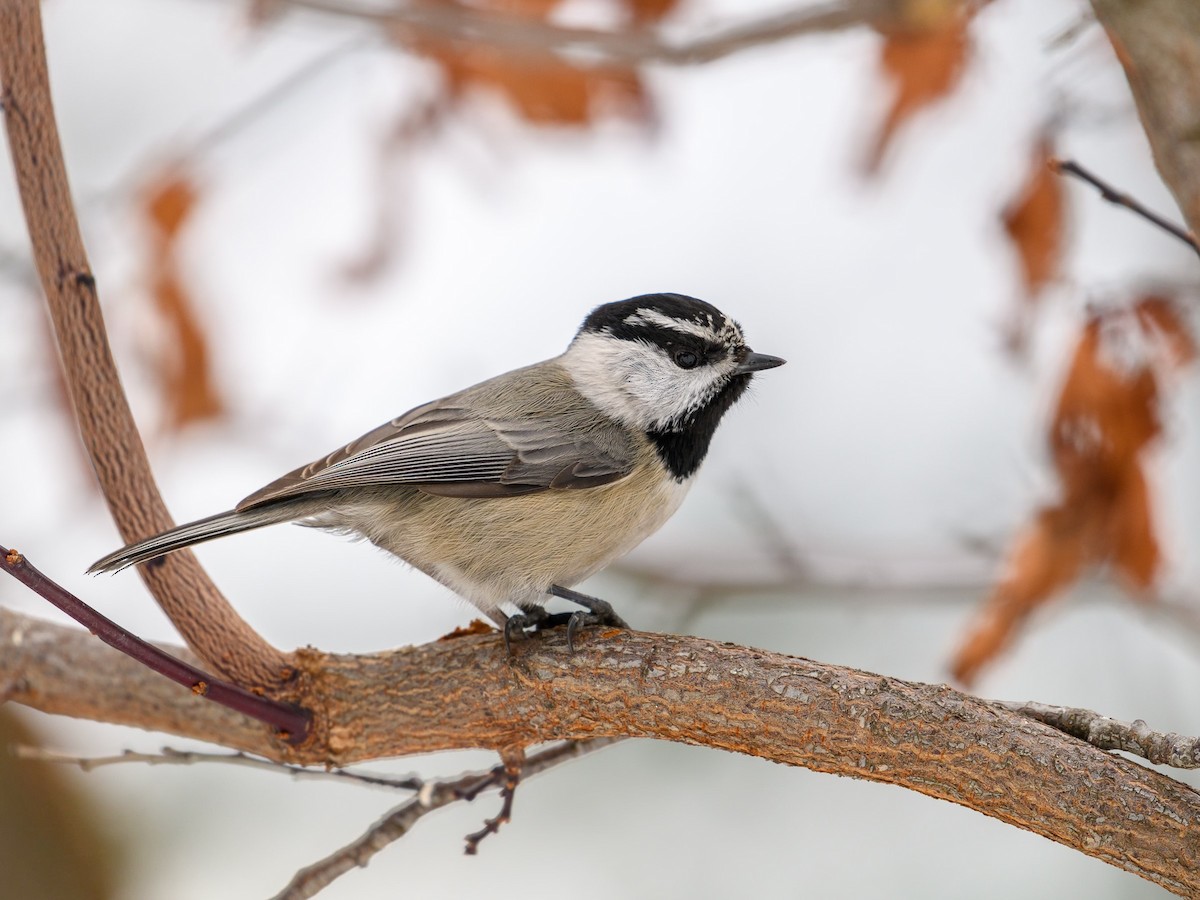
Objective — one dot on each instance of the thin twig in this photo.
(234, 122)
(1164, 749)
(1112, 195)
(506, 776)
(595, 46)
(312, 879)
(169, 756)
(289, 721)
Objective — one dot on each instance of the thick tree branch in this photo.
(203, 616)
(465, 692)
(1158, 43)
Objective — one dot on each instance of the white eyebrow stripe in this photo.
(654, 317)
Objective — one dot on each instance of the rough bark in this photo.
(465, 692)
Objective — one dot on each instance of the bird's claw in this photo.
(595, 612)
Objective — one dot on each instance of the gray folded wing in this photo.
(448, 449)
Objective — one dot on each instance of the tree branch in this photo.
(169, 756)
(466, 692)
(289, 722)
(203, 616)
(1118, 198)
(312, 879)
(411, 23)
(1160, 748)
(1158, 44)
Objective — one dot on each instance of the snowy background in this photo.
(893, 456)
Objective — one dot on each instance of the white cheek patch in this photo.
(636, 383)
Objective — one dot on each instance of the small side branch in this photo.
(310, 880)
(169, 756)
(1136, 737)
(1112, 195)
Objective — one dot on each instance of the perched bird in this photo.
(527, 483)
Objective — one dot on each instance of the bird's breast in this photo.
(511, 549)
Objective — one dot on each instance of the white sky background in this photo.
(897, 436)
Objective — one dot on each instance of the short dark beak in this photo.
(756, 362)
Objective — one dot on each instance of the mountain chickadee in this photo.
(529, 482)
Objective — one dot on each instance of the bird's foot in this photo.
(599, 612)
(595, 612)
(534, 619)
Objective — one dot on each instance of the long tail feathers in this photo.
(196, 532)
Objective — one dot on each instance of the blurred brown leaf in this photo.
(185, 370)
(544, 89)
(169, 200)
(649, 11)
(1035, 220)
(1106, 416)
(923, 57)
(1161, 317)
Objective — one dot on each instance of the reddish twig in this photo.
(1112, 195)
(507, 776)
(289, 721)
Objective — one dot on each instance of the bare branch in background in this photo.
(169, 756)
(1112, 195)
(310, 880)
(598, 47)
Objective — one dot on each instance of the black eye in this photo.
(686, 359)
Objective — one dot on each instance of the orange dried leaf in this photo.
(923, 65)
(1161, 317)
(649, 11)
(1106, 416)
(475, 626)
(168, 201)
(191, 396)
(1047, 556)
(1132, 543)
(544, 90)
(185, 368)
(1035, 221)
(1108, 409)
